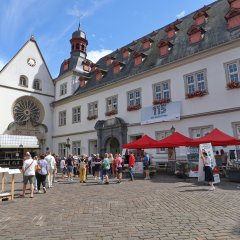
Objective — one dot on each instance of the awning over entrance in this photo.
(18, 141)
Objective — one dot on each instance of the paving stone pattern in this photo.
(163, 208)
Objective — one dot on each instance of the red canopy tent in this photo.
(142, 143)
(217, 138)
(174, 140)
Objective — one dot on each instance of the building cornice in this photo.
(27, 91)
(203, 114)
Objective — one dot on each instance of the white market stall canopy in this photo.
(18, 141)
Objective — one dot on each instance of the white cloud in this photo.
(93, 7)
(181, 14)
(2, 63)
(95, 55)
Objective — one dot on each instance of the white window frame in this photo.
(202, 131)
(62, 118)
(196, 82)
(112, 103)
(76, 148)
(160, 135)
(235, 73)
(93, 109)
(160, 92)
(63, 89)
(76, 114)
(37, 84)
(62, 149)
(23, 81)
(134, 97)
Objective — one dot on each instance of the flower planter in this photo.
(161, 101)
(233, 84)
(134, 108)
(196, 94)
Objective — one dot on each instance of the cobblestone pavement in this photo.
(163, 208)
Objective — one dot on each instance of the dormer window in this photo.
(117, 66)
(233, 18)
(126, 52)
(86, 66)
(99, 75)
(37, 84)
(94, 67)
(201, 16)
(146, 42)
(164, 47)
(171, 31)
(109, 60)
(23, 81)
(82, 82)
(195, 33)
(154, 33)
(234, 3)
(133, 43)
(139, 58)
(65, 65)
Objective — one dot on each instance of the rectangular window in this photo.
(112, 103)
(62, 118)
(63, 89)
(76, 115)
(198, 132)
(195, 82)
(160, 135)
(232, 71)
(161, 90)
(62, 150)
(93, 109)
(76, 148)
(134, 97)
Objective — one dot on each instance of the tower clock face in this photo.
(31, 62)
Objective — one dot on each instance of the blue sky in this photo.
(109, 24)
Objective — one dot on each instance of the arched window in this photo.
(77, 46)
(23, 81)
(37, 84)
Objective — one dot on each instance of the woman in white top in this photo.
(208, 170)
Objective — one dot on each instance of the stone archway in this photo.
(111, 131)
(112, 145)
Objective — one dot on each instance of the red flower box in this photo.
(161, 101)
(197, 93)
(92, 117)
(233, 84)
(113, 112)
(134, 107)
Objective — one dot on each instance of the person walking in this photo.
(105, 168)
(63, 167)
(119, 162)
(51, 166)
(111, 160)
(207, 162)
(82, 169)
(42, 173)
(146, 163)
(131, 165)
(28, 170)
(70, 168)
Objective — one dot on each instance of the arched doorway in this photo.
(112, 146)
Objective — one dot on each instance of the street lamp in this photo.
(172, 129)
(67, 145)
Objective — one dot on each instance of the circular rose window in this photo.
(28, 109)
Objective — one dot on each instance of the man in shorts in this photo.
(28, 170)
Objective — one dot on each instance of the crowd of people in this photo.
(40, 171)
